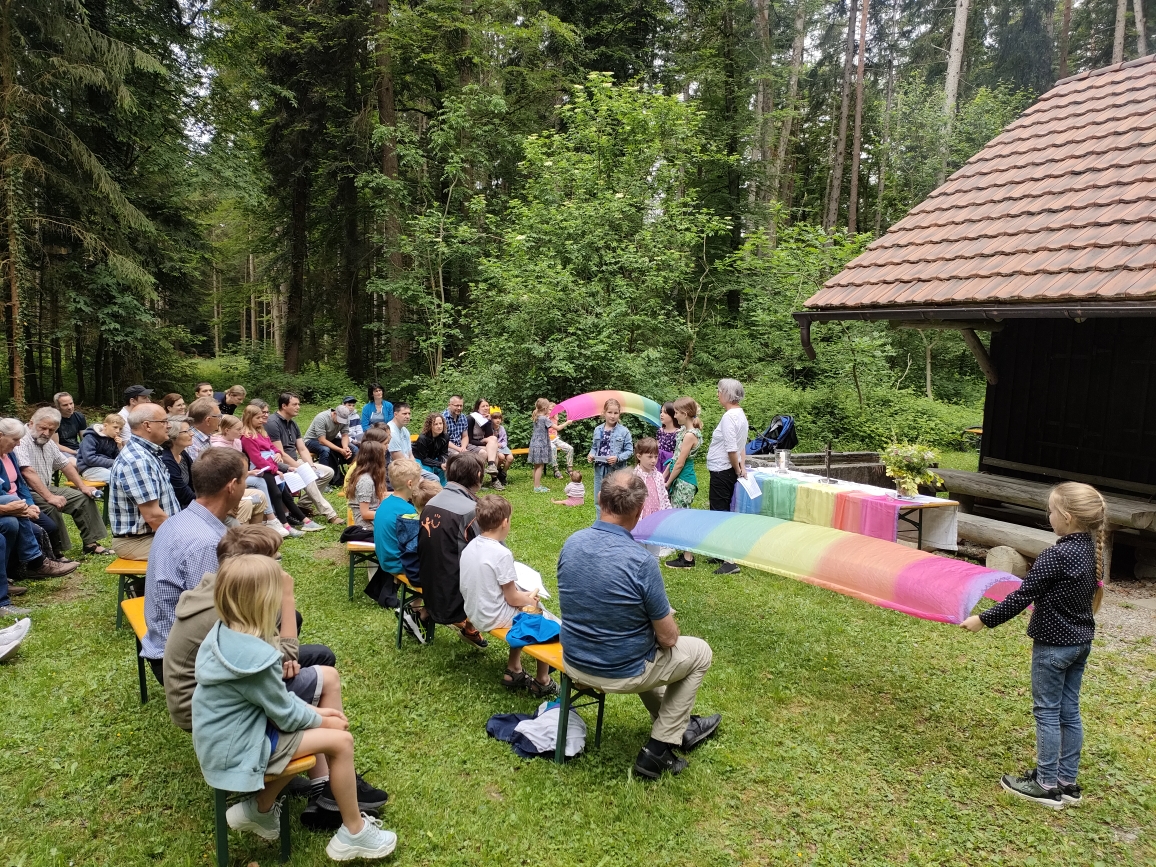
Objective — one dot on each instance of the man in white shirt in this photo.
(399, 444)
(725, 459)
(134, 396)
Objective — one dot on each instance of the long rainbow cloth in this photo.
(883, 573)
(589, 405)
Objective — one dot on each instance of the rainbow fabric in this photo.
(794, 499)
(883, 573)
(590, 405)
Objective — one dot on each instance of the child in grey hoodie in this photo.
(246, 724)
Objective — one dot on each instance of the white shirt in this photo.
(729, 436)
(399, 440)
(486, 566)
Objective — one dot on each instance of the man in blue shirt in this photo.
(185, 547)
(618, 629)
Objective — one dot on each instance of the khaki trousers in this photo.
(84, 511)
(248, 512)
(132, 547)
(312, 492)
(667, 686)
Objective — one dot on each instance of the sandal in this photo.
(96, 549)
(542, 690)
(518, 680)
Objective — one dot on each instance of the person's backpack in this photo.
(780, 434)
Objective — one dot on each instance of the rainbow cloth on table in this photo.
(590, 404)
(883, 573)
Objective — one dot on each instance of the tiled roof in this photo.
(1061, 206)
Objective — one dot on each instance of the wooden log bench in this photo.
(989, 532)
(126, 571)
(569, 692)
(220, 808)
(134, 614)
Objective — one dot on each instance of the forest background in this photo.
(516, 198)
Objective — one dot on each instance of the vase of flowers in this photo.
(910, 465)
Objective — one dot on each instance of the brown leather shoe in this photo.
(15, 590)
(335, 519)
(53, 569)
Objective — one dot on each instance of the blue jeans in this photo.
(16, 535)
(1056, 675)
(333, 460)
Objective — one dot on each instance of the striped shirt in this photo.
(137, 477)
(198, 445)
(184, 550)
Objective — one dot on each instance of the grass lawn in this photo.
(851, 735)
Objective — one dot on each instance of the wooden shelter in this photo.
(1047, 239)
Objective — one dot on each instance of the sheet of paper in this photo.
(306, 474)
(529, 580)
(751, 486)
(293, 482)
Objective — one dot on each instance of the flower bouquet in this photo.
(910, 465)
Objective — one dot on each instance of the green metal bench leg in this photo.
(401, 599)
(598, 727)
(352, 566)
(563, 720)
(221, 827)
(120, 586)
(286, 840)
(140, 672)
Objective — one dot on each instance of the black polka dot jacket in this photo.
(1061, 584)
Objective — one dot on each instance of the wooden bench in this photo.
(134, 613)
(360, 553)
(100, 486)
(126, 570)
(220, 807)
(568, 692)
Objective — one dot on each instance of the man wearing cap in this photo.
(356, 431)
(328, 438)
(134, 396)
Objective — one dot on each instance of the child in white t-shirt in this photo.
(491, 596)
(575, 491)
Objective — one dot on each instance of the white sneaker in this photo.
(292, 531)
(246, 817)
(16, 631)
(372, 841)
(7, 649)
(280, 528)
(310, 525)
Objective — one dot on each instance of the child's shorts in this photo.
(504, 450)
(575, 501)
(307, 685)
(288, 743)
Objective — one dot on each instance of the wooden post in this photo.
(981, 356)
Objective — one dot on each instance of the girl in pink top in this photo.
(657, 499)
(258, 448)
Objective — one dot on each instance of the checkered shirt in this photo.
(184, 550)
(45, 459)
(455, 429)
(198, 445)
(138, 476)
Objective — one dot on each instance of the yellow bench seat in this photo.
(126, 570)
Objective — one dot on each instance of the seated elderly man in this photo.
(141, 497)
(40, 458)
(618, 629)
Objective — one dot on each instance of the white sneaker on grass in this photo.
(16, 631)
(279, 527)
(7, 649)
(246, 817)
(310, 525)
(372, 841)
(292, 531)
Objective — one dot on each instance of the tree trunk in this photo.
(16, 363)
(1141, 41)
(731, 119)
(835, 187)
(1118, 39)
(350, 292)
(295, 300)
(951, 85)
(792, 94)
(857, 137)
(99, 384)
(764, 106)
(391, 228)
(78, 364)
(886, 143)
(1065, 38)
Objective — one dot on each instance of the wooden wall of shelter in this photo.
(1074, 400)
